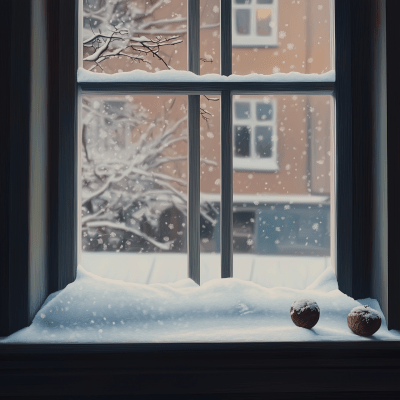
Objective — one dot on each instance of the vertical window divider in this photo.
(226, 210)
(226, 185)
(193, 215)
(226, 214)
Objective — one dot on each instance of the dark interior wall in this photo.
(23, 272)
(15, 160)
(388, 255)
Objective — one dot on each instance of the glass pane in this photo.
(209, 37)
(281, 189)
(124, 35)
(134, 187)
(210, 188)
(264, 112)
(242, 141)
(287, 36)
(243, 22)
(264, 20)
(263, 141)
(242, 110)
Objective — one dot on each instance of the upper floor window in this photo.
(255, 23)
(254, 131)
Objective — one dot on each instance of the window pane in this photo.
(209, 37)
(264, 22)
(281, 190)
(264, 112)
(243, 22)
(242, 110)
(263, 141)
(287, 36)
(134, 187)
(124, 35)
(242, 141)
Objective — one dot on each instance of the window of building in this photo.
(255, 23)
(255, 137)
(243, 231)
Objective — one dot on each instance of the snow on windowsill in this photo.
(99, 310)
(187, 76)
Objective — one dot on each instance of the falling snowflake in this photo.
(315, 226)
(290, 46)
(275, 70)
(282, 34)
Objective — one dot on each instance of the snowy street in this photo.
(267, 271)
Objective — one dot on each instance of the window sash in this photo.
(226, 90)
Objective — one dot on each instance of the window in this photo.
(243, 231)
(255, 23)
(255, 136)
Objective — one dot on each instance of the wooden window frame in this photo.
(206, 370)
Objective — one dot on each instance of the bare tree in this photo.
(124, 187)
(122, 28)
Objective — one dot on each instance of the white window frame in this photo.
(253, 39)
(254, 163)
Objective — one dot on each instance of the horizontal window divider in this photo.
(189, 88)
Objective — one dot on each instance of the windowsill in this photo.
(255, 164)
(95, 309)
(251, 45)
(184, 370)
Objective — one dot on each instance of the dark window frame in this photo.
(245, 370)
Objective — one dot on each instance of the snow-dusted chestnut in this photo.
(364, 321)
(304, 313)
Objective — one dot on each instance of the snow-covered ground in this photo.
(96, 309)
(267, 271)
